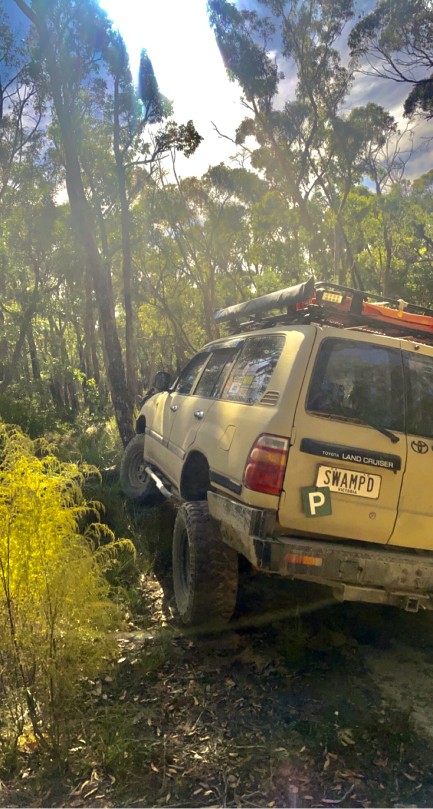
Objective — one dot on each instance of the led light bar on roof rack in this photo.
(357, 297)
(280, 299)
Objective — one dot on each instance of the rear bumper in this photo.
(355, 572)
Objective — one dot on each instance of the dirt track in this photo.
(328, 706)
(300, 702)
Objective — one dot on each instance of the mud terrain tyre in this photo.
(134, 482)
(205, 570)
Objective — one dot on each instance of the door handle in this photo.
(198, 414)
(174, 408)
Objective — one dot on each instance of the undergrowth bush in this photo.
(56, 617)
(95, 444)
(30, 406)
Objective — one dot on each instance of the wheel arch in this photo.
(195, 477)
(140, 425)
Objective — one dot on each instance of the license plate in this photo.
(345, 481)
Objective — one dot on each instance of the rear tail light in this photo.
(266, 464)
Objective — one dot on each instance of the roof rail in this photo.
(326, 302)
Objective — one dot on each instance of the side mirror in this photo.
(162, 381)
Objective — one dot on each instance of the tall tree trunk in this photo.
(80, 350)
(56, 393)
(83, 218)
(386, 279)
(130, 348)
(91, 351)
(355, 278)
(338, 268)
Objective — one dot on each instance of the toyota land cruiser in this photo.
(304, 442)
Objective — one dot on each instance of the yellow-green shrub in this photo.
(56, 618)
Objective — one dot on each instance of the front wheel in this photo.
(205, 570)
(134, 480)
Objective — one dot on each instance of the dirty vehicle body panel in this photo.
(348, 413)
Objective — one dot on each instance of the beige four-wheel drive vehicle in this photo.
(303, 442)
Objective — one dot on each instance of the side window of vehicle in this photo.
(190, 373)
(252, 371)
(215, 372)
(359, 381)
(419, 385)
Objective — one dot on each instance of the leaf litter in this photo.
(274, 715)
(282, 714)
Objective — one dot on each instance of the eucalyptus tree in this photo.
(21, 181)
(288, 133)
(188, 253)
(142, 131)
(206, 243)
(69, 40)
(27, 263)
(417, 232)
(209, 226)
(192, 253)
(365, 145)
(81, 65)
(395, 42)
(383, 160)
(311, 152)
(21, 106)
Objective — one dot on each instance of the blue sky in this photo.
(190, 72)
(188, 67)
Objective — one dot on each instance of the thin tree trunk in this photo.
(91, 352)
(34, 359)
(10, 369)
(130, 348)
(80, 350)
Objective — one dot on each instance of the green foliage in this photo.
(245, 60)
(98, 445)
(399, 36)
(150, 95)
(29, 406)
(56, 617)
(172, 252)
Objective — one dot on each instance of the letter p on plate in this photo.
(316, 501)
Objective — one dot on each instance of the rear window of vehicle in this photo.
(419, 385)
(252, 371)
(359, 381)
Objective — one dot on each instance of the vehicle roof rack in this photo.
(332, 304)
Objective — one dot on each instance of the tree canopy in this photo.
(112, 264)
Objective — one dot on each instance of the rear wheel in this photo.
(205, 570)
(134, 480)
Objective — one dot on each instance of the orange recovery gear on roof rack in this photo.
(386, 314)
(393, 313)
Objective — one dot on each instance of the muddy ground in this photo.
(301, 702)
